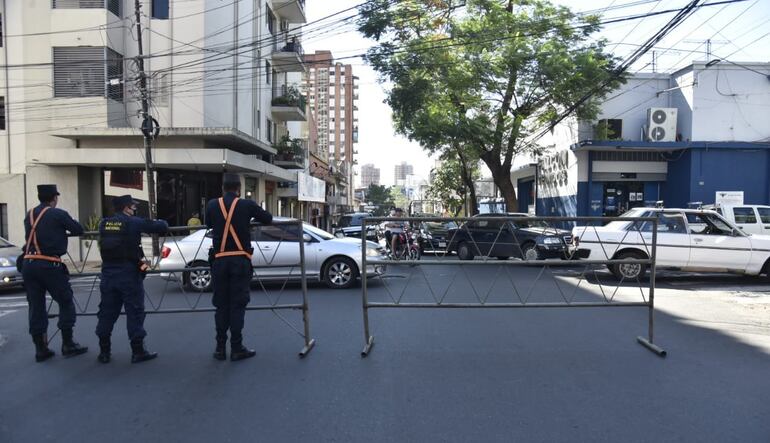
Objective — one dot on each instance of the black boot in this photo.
(220, 352)
(239, 352)
(139, 352)
(70, 348)
(42, 352)
(105, 350)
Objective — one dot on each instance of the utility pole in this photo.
(148, 127)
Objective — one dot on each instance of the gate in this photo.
(492, 241)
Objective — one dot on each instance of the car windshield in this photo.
(4, 243)
(525, 222)
(320, 233)
(347, 221)
(440, 225)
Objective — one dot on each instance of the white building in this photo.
(370, 175)
(220, 89)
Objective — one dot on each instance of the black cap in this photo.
(47, 191)
(121, 202)
(231, 179)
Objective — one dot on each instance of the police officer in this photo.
(229, 219)
(46, 229)
(123, 272)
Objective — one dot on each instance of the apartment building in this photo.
(401, 172)
(220, 87)
(370, 175)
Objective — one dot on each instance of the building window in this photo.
(1, 30)
(269, 131)
(114, 64)
(270, 21)
(2, 113)
(111, 5)
(160, 90)
(87, 71)
(160, 9)
(268, 71)
(4, 220)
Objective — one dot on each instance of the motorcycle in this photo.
(408, 245)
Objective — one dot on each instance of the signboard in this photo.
(310, 189)
(729, 198)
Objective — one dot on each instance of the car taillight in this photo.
(165, 252)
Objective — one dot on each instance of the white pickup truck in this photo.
(688, 239)
(752, 219)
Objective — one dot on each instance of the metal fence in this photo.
(185, 256)
(505, 243)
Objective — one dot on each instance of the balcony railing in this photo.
(292, 153)
(289, 96)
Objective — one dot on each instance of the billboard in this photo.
(310, 189)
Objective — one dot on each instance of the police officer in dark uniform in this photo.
(123, 272)
(229, 219)
(46, 228)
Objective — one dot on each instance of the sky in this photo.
(740, 32)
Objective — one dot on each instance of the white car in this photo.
(752, 219)
(688, 239)
(334, 261)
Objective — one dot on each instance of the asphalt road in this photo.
(433, 375)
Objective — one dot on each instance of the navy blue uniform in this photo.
(41, 275)
(231, 276)
(122, 281)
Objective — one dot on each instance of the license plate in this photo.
(442, 244)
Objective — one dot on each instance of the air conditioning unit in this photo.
(661, 124)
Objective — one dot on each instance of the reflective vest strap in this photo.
(233, 254)
(229, 230)
(33, 228)
(42, 257)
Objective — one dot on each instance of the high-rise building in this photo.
(333, 98)
(401, 171)
(370, 175)
(229, 112)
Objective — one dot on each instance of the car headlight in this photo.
(4, 262)
(551, 241)
(372, 252)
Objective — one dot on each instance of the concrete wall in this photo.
(631, 101)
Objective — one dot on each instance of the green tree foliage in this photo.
(379, 196)
(398, 195)
(480, 77)
(448, 186)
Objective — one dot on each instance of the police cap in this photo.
(122, 201)
(47, 192)
(230, 179)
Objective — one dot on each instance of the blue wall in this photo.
(563, 206)
(525, 188)
(730, 170)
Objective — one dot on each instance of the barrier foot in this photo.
(368, 347)
(651, 346)
(308, 347)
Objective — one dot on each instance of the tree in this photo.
(379, 196)
(448, 185)
(399, 198)
(478, 78)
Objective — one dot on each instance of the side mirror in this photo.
(307, 238)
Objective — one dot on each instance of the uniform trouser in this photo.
(231, 277)
(121, 286)
(41, 276)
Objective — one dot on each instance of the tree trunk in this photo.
(467, 176)
(508, 191)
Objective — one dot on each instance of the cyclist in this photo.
(393, 229)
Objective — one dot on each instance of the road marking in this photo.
(3, 313)
(13, 305)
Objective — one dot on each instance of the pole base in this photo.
(368, 347)
(308, 347)
(651, 346)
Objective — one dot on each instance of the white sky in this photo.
(740, 31)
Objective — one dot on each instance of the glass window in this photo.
(2, 113)
(318, 232)
(667, 223)
(160, 9)
(764, 214)
(276, 233)
(744, 215)
(708, 224)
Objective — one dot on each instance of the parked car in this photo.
(9, 276)
(688, 240)
(334, 261)
(349, 225)
(433, 235)
(752, 219)
(523, 238)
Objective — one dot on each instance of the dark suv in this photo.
(521, 238)
(349, 225)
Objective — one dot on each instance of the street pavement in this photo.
(545, 375)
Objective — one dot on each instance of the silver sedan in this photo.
(334, 261)
(9, 276)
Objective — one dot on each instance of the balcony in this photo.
(293, 11)
(288, 104)
(292, 153)
(288, 58)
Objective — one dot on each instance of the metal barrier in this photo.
(193, 258)
(633, 248)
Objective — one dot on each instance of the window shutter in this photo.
(79, 71)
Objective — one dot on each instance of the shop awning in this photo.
(597, 145)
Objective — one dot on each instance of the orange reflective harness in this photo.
(229, 230)
(28, 255)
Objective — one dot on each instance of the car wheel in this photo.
(529, 252)
(629, 271)
(340, 273)
(464, 252)
(198, 281)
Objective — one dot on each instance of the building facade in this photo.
(72, 103)
(333, 98)
(674, 138)
(401, 171)
(370, 175)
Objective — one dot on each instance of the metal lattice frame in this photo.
(568, 299)
(81, 279)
